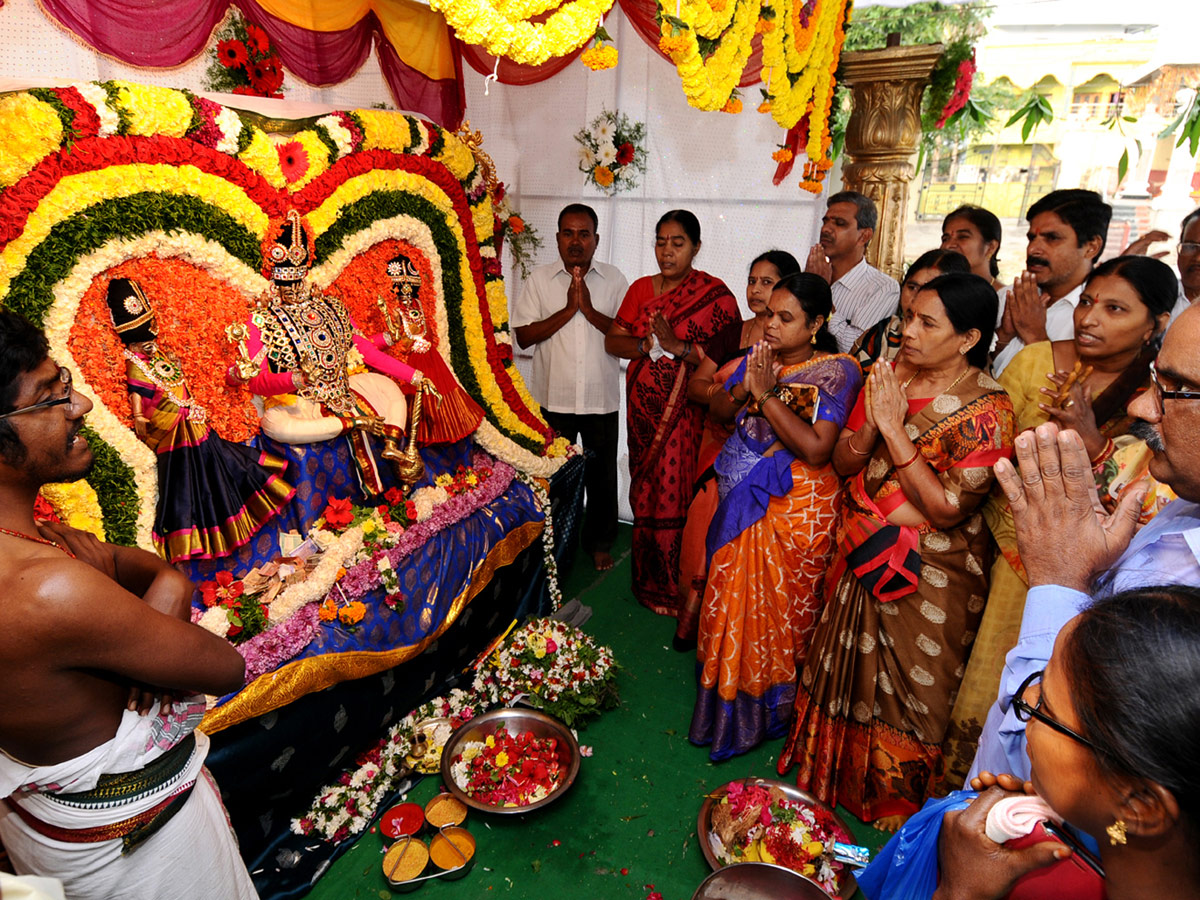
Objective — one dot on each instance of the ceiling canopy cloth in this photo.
(322, 41)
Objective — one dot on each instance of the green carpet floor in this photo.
(629, 821)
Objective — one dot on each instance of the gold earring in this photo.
(1116, 832)
(814, 337)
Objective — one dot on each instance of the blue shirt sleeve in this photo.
(1048, 608)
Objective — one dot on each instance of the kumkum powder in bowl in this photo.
(401, 820)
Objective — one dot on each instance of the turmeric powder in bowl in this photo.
(445, 809)
(452, 848)
(405, 860)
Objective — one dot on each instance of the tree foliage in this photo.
(957, 27)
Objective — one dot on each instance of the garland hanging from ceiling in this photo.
(710, 41)
(504, 27)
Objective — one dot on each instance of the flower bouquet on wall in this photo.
(244, 62)
(612, 152)
(558, 668)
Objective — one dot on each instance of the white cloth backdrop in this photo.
(719, 166)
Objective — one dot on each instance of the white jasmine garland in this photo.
(216, 620)
(230, 126)
(340, 133)
(320, 580)
(98, 98)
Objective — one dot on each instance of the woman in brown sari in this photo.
(909, 580)
(661, 320)
(1122, 312)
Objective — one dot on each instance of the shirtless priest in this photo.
(102, 781)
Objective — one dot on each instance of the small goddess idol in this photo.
(213, 495)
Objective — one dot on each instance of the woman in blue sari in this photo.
(772, 535)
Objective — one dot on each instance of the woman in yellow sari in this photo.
(1123, 309)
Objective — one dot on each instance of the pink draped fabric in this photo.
(171, 32)
(510, 72)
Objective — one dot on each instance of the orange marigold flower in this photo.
(516, 224)
(599, 58)
(764, 26)
(328, 611)
(813, 187)
(603, 175)
(782, 155)
(717, 5)
(352, 613)
(824, 164)
(732, 105)
(765, 106)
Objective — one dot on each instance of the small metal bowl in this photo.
(757, 881)
(793, 793)
(517, 720)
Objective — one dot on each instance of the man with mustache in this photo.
(564, 310)
(862, 295)
(1069, 550)
(1067, 231)
(101, 775)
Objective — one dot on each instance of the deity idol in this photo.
(404, 316)
(304, 351)
(213, 495)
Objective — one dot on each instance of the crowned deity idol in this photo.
(304, 352)
(213, 494)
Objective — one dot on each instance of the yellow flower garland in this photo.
(77, 505)
(260, 156)
(154, 110)
(384, 130)
(708, 84)
(29, 129)
(705, 19)
(483, 24)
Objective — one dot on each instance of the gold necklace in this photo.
(946, 390)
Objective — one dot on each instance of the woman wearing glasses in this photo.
(1113, 729)
(1085, 385)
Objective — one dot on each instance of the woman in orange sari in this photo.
(772, 535)
(658, 327)
(722, 356)
(908, 583)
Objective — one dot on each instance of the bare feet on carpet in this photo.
(889, 823)
(603, 560)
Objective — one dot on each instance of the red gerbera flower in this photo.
(257, 39)
(245, 90)
(232, 54)
(271, 75)
(625, 154)
(293, 159)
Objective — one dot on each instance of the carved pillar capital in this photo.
(882, 136)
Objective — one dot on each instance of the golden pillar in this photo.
(882, 135)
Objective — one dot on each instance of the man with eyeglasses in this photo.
(101, 775)
(1070, 551)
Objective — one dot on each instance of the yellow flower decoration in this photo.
(29, 129)
(318, 158)
(603, 175)
(260, 156)
(77, 505)
(384, 130)
(504, 30)
(708, 83)
(154, 110)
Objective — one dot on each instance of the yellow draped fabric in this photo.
(418, 34)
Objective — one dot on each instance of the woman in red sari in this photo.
(661, 320)
(909, 578)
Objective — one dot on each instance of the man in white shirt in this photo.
(1067, 231)
(564, 311)
(862, 295)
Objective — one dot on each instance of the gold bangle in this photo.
(855, 450)
(912, 459)
(765, 396)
